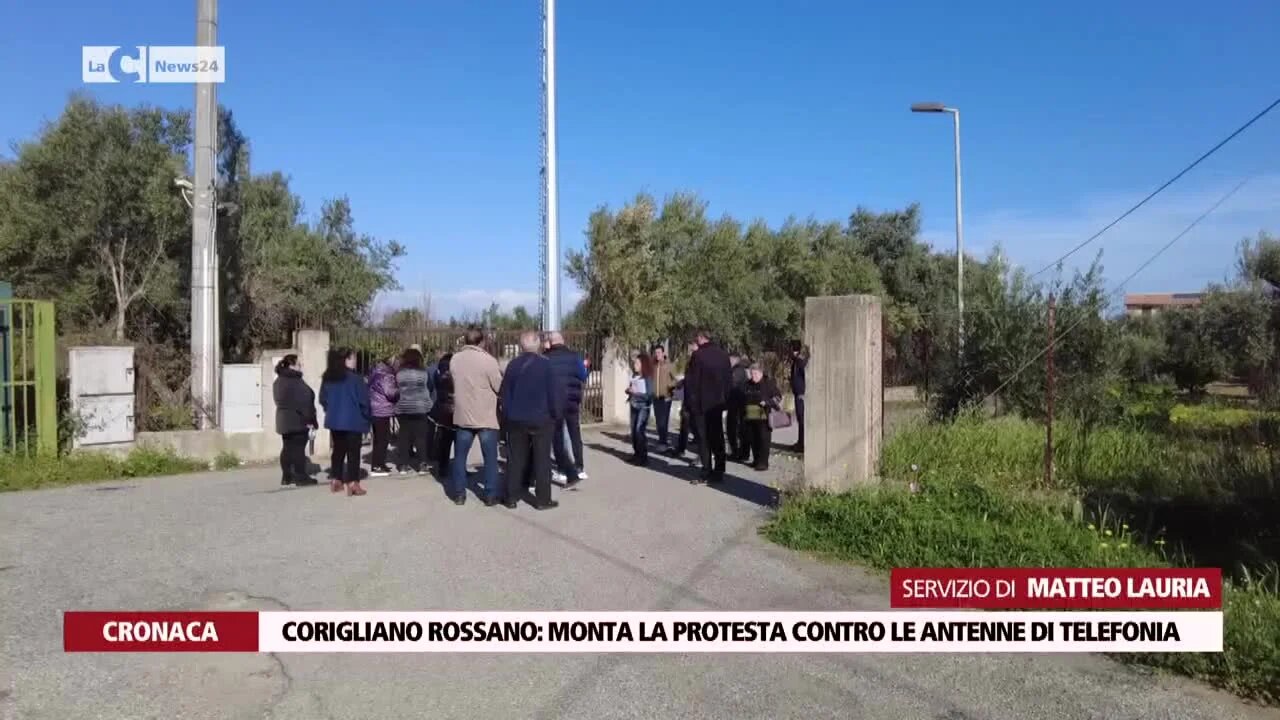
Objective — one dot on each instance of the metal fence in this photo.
(908, 362)
(374, 343)
(28, 377)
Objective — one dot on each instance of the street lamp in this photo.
(937, 107)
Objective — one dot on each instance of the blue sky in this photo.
(426, 115)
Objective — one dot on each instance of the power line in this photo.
(1160, 189)
(1120, 288)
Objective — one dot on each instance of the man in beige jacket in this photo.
(664, 387)
(477, 381)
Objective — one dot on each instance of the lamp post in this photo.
(936, 107)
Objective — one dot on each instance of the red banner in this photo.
(1057, 588)
(94, 631)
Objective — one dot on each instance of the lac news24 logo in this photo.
(153, 64)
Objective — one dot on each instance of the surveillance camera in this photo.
(184, 183)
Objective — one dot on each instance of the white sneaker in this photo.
(582, 474)
(379, 472)
(558, 476)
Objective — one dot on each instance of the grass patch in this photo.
(28, 473)
(979, 502)
(1217, 501)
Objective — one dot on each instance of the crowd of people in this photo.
(730, 401)
(440, 407)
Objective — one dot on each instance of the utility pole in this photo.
(1049, 393)
(550, 194)
(959, 245)
(204, 245)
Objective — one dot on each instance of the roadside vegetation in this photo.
(21, 472)
(1166, 451)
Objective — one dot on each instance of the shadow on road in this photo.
(735, 485)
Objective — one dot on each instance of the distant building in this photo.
(1146, 304)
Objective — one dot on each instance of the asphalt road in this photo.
(629, 539)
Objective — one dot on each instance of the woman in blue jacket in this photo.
(640, 397)
(344, 395)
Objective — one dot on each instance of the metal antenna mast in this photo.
(549, 205)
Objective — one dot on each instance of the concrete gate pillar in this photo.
(615, 374)
(843, 409)
(313, 352)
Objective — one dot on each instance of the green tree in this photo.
(1259, 259)
(626, 271)
(405, 319)
(1194, 359)
(1140, 348)
(650, 273)
(1239, 322)
(90, 216)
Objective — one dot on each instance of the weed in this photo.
(226, 460)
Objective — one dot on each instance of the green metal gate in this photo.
(28, 377)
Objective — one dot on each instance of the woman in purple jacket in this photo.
(383, 394)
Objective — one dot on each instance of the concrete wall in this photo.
(843, 413)
(311, 347)
(208, 444)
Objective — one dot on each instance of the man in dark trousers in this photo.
(735, 420)
(664, 387)
(532, 406)
(707, 386)
(799, 362)
(570, 372)
(687, 426)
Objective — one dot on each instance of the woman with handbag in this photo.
(762, 411)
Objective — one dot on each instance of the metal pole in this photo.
(204, 248)
(959, 245)
(1049, 393)
(551, 230)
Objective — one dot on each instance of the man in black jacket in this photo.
(707, 386)
(568, 368)
(532, 405)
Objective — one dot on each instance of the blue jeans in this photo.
(639, 423)
(488, 449)
(662, 417)
(562, 450)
